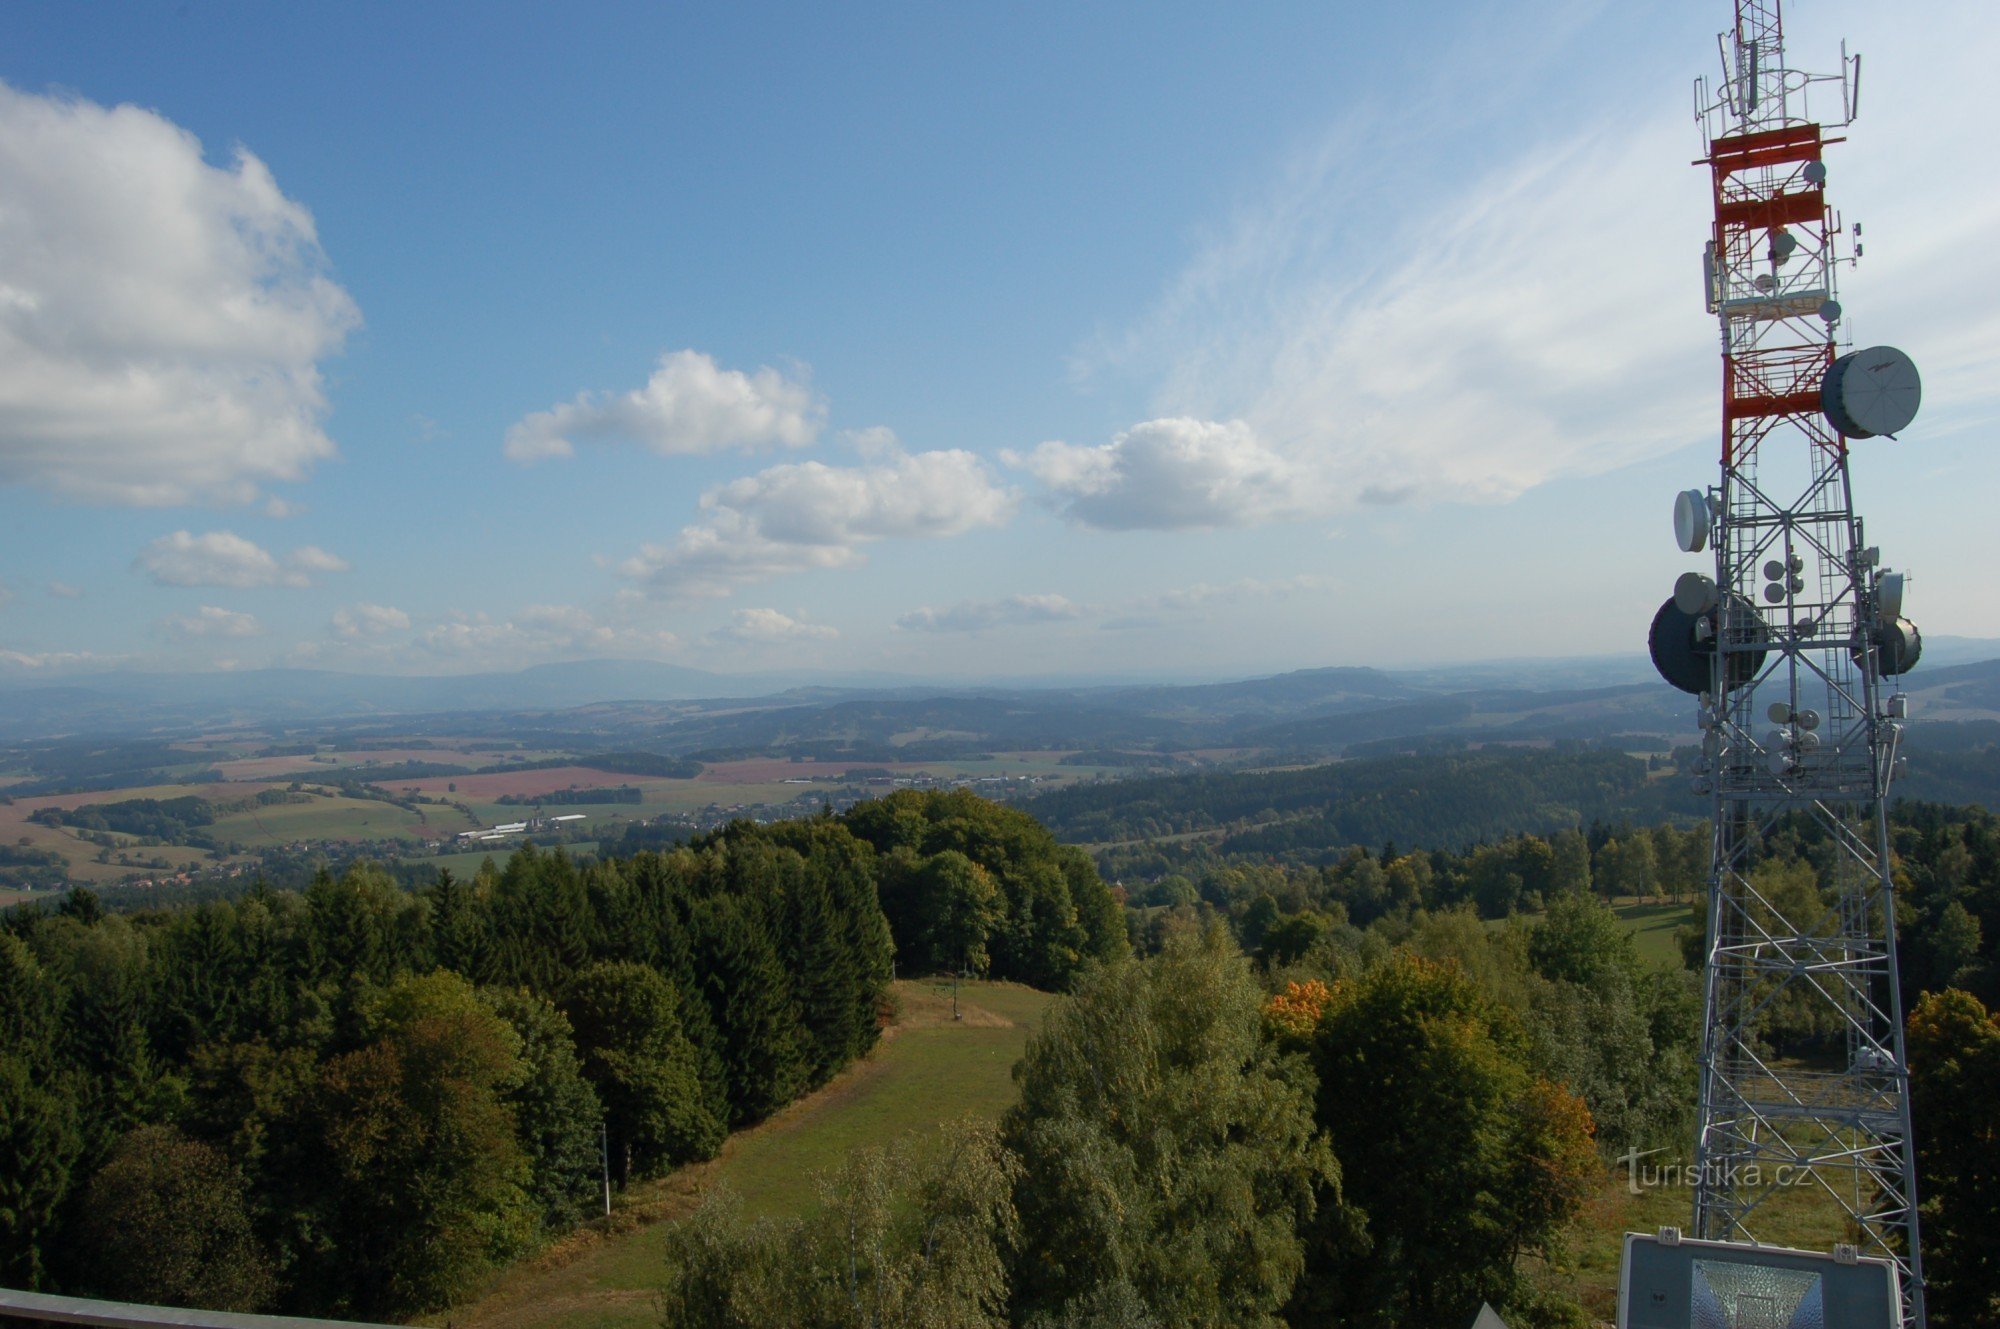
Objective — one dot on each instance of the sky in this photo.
(952, 341)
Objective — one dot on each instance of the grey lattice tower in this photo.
(1793, 646)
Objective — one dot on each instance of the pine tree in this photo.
(749, 994)
(39, 1149)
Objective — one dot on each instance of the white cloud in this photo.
(311, 559)
(765, 627)
(1024, 610)
(1174, 474)
(210, 621)
(689, 405)
(162, 320)
(223, 558)
(807, 515)
(279, 508)
(39, 661)
(1536, 319)
(978, 615)
(62, 590)
(366, 620)
(538, 632)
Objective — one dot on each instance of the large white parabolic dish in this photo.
(1876, 391)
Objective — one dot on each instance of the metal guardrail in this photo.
(126, 1315)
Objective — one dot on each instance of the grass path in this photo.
(928, 1069)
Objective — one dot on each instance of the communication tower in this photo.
(1793, 647)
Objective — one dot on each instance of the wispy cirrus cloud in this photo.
(211, 621)
(1012, 611)
(980, 615)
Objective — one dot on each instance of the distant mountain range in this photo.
(675, 709)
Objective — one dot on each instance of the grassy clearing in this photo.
(1654, 925)
(929, 1069)
(335, 818)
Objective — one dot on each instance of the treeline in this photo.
(617, 763)
(357, 1099)
(1377, 1148)
(624, 793)
(1519, 874)
(1441, 800)
(169, 820)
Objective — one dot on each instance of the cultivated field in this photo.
(929, 1069)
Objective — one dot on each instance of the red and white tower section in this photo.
(1793, 645)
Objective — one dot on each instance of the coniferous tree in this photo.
(39, 1151)
(645, 1071)
(749, 996)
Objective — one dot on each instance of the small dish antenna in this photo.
(1695, 594)
(1691, 518)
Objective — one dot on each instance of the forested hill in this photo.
(1439, 801)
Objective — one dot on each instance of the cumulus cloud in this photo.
(366, 620)
(768, 627)
(1174, 474)
(689, 405)
(978, 615)
(162, 320)
(801, 516)
(210, 621)
(223, 558)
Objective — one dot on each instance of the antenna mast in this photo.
(1793, 647)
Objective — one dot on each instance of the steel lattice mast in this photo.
(1793, 647)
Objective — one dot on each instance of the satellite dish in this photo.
(1871, 392)
(1694, 593)
(1683, 646)
(1889, 597)
(1774, 570)
(1898, 647)
(1691, 520)
(1830, 311)
(1779, 762)
(1780, 713)
(1806, 720)
(1775, 592)
(1815, 173)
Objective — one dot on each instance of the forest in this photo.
(357, 1099)
(1369, 1092)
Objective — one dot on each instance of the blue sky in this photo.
(951, 340)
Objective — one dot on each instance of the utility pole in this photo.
(604, 1161)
